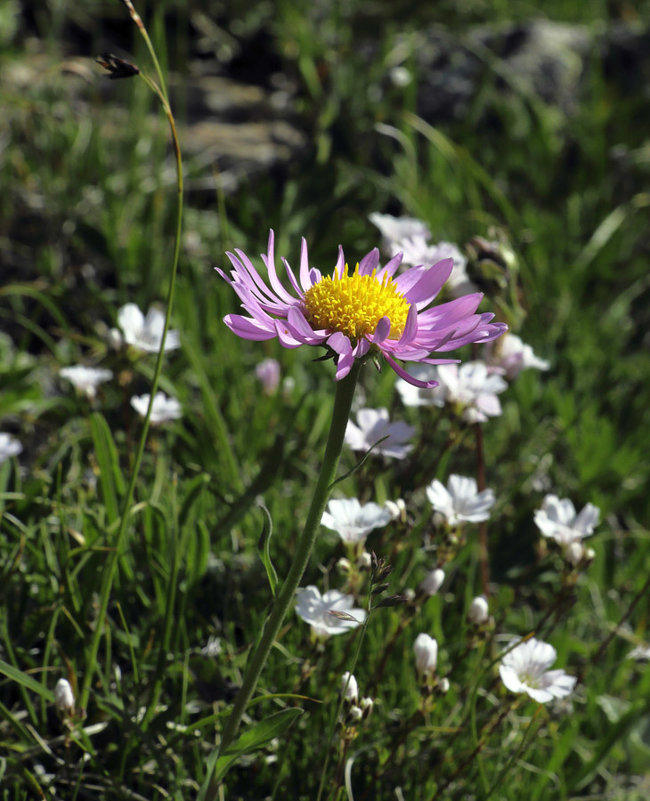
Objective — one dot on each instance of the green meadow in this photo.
(139, 559)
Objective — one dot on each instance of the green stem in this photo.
(342, 404)
(110, 570)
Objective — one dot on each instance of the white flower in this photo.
(366, 705)
(349, 687)
(212, 648)
(352, 521)
(63, 697)
(395, 229)
(557, 519)
(470, 388)
(641, 653)
(145, 333)
(396, 509)
(478, 611)
(525, 669)
(164, 409)
(511, 355)
(432, 582)
(460, 500)
(9, 446)
(416, 250)
(373, 426)
(315, 610)
(268, 374)
(86, 379)
(426, 654)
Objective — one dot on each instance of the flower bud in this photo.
(349, 687)
(443, 686)
(396, 508)
(366, 705)
(365, 560)
(590, 555)
(268, 374)
(63, 697)
(343, 565)
(574, 553)
(355, 713)
(432, 582)
(408, 595)
(478, 611)
(426, 654)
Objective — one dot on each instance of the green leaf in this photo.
(264, 549)
(255, 738)
(110, 476)
(27, 681)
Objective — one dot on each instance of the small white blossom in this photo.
(364, 560)
(426, 654)
(443, 686)
(355, 713)
(373, 426)
(366, 705)
(145, 333)
(432, 582)
(349, 687)
(396, 509)
(400, 76)
(268, 374)
(352, 521)
(316, 610)
(86, 379)
(525, 669)
(9, 446)
(478, 611)
(164, 409)
(212, 648)
(557, 520)
(511, 355)
(460, 500)
(63, 697)
(395, 229)
(641, 653)
(470, 388)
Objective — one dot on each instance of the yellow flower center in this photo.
(354, 304)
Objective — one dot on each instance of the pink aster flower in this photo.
(355, 314)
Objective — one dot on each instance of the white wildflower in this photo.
(164, 409)
(373, 426)
(145, 333)
(557, 519)
(526, 669)
(470, 389)
(352, 521)
(460, 501)
(9, 446)
(316, 610)
(511, 355)
(86, 379)
(395, 229)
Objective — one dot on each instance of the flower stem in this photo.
(340, 414)
(109, 571)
